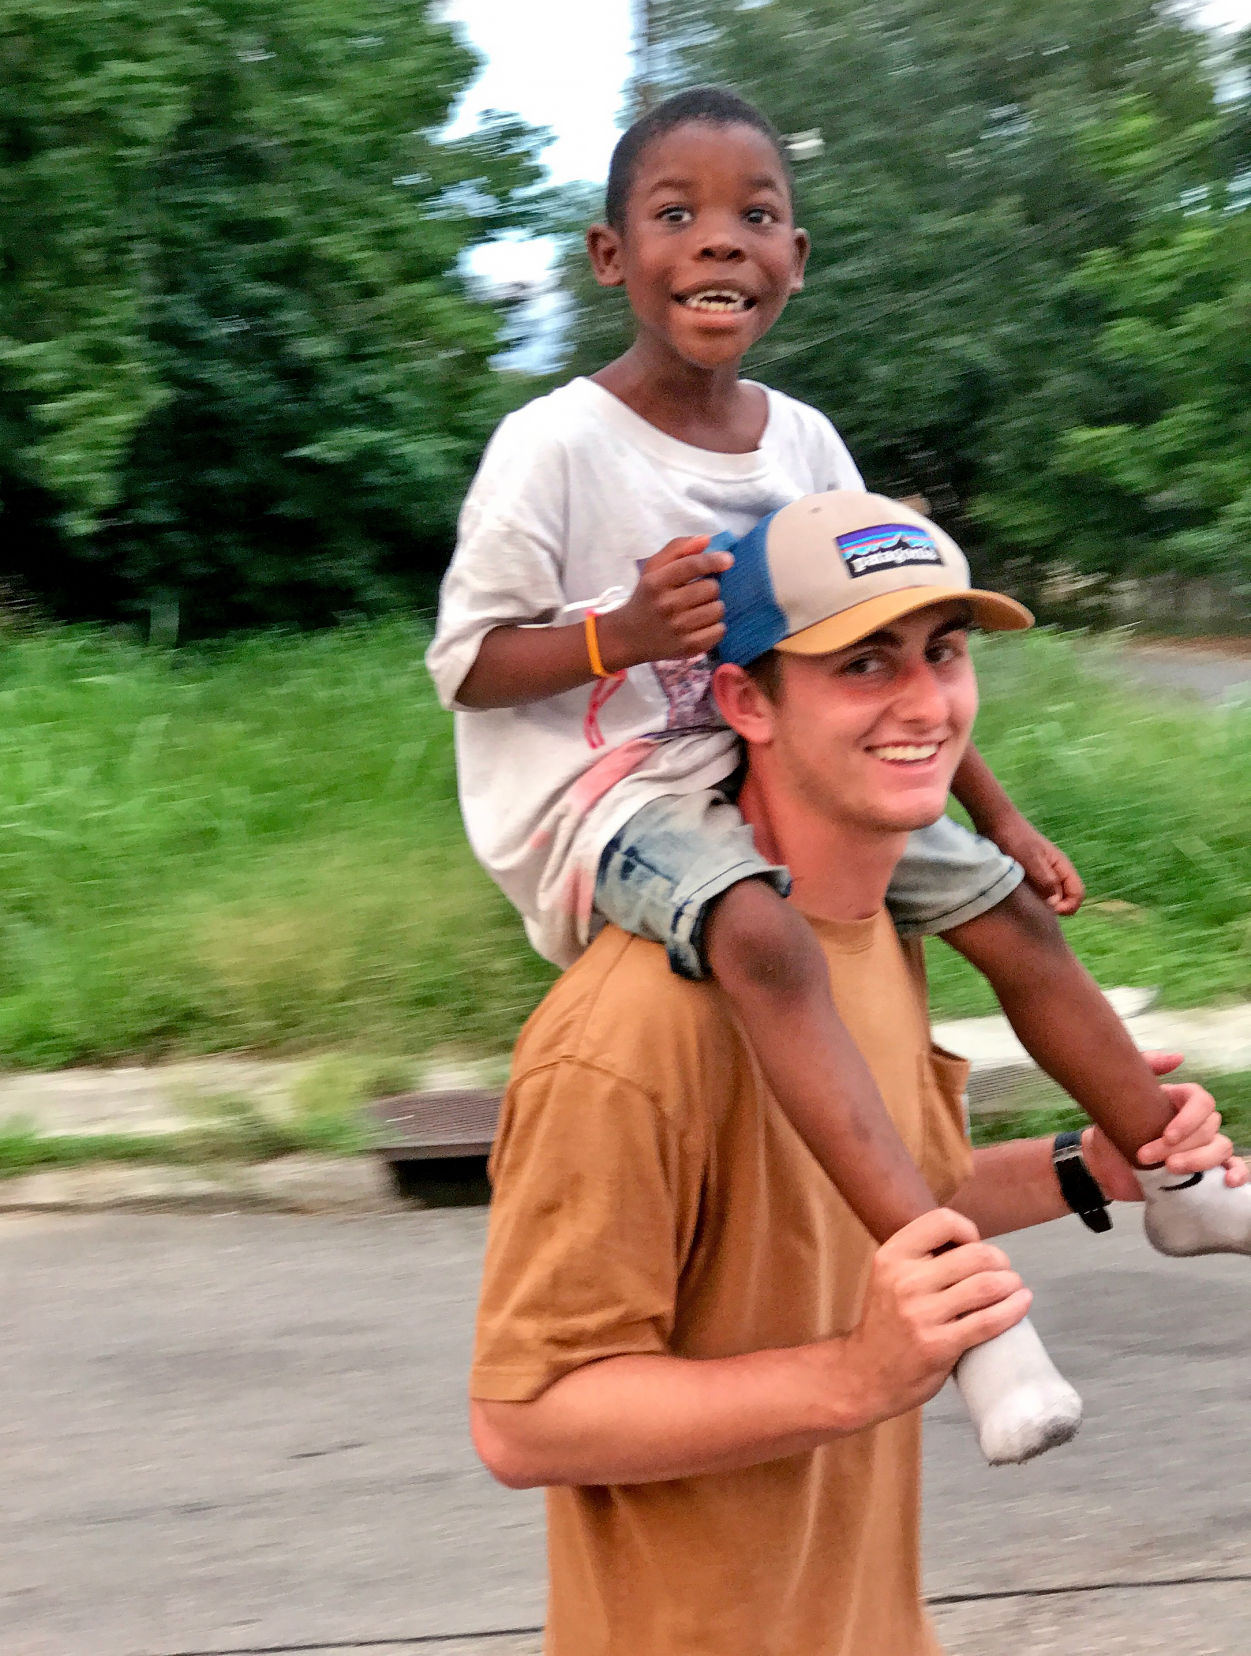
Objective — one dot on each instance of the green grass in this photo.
(253, 847)
(240, 1133)
(1148, 793)
(257, 846)
(1039, 1107)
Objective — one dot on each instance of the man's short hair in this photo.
(714, 104)
(766, 673)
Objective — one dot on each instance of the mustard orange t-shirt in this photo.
(649, 1196)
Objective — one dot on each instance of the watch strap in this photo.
(1078, 1185)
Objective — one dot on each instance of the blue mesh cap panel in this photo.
(754, 622)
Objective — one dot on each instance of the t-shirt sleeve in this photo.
(592, 1215)
(833, 466)
(826, 457)
(510, 548)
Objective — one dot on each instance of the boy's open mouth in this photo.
(718, 299)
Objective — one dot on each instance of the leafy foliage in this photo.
(991, 180)
(1154, 477)
(242, 378)
(240, 374)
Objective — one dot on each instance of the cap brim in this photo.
(991, 611)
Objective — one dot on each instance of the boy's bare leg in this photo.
(1067, 1026)
(768, 961)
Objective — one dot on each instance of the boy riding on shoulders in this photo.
(597, 778)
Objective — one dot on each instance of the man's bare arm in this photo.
(641, 1419)
(649, 1418)
(1014, 1185)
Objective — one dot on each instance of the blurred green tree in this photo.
(1144, 470)
(970, 156)
(242, 375)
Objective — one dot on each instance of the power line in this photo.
(1028, 237)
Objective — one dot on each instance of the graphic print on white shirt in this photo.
(574, 493)
(687, 685)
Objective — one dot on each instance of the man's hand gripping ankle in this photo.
(935, 1290)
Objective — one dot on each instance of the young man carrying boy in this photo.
(592, 761)
(683, 1330)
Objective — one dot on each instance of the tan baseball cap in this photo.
(829, 569)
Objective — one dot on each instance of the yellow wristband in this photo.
(592, 646)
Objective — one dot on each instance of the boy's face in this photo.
(709, 253)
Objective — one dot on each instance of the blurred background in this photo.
(269, 279)
(269, 276)
(271, 271)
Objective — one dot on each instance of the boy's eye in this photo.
(760, 215)
(674, 215)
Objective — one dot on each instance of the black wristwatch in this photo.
(1078, 1185)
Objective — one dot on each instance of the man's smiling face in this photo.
(871, 736)
(709, 253)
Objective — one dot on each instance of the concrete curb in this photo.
(175, 1100)
(290, 1184)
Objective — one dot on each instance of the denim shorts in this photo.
(661, 873)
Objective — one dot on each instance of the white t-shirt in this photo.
(574, 493)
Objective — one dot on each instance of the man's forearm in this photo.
(1013, 1186)
(934, 1290)
(649, 1418)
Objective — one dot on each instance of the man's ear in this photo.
(603, 246)
(803, 246)
(744, 705)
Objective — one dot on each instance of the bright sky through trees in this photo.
(559, 64)
(562, 64)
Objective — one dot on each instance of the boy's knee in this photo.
(755, 938)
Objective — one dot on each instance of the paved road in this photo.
(245, 1433)
(1215, 673)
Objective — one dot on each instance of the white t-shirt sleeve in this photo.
(832, 464)
(509, 560)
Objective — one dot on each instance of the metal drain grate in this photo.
(436, 1126)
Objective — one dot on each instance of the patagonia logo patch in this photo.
(887, 546)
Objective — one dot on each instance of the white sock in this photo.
(1198, 1214)
(1018, 1400)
